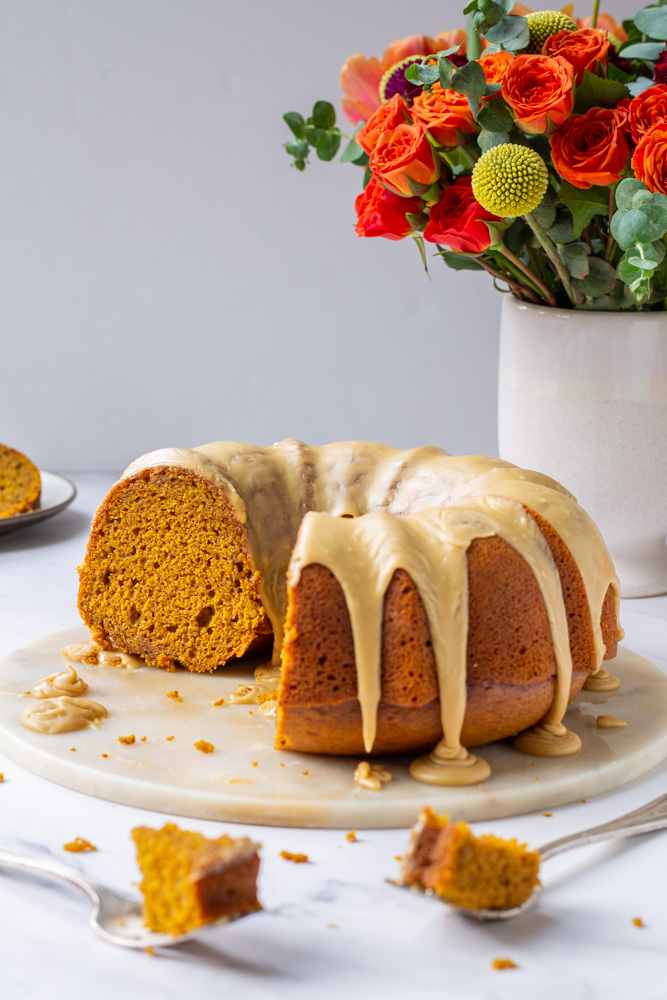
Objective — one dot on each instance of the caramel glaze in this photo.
(364, 511)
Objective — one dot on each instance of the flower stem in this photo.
(473, 46)
(519, 290)
(534, 280)
(551, 252)
(594, 16)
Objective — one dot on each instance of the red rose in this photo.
(388, 116)
(539, 91)
(404, 154)
(584, 49)
(591, 148)
(458, 221)
(382, 213)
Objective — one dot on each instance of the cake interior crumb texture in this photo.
(20, 483)
(475, 873)
(189, 880)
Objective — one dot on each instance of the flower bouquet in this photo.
(533, 147)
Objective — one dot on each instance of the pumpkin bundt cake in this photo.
(412, 596)
(475, 873)
(189, 880)
(20, 483)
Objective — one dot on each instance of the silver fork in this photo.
(646, 819)
(115, 918)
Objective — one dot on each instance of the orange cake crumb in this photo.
(204, 746)
(255, 763)
(2, 776)
(174, 695)
(79, 845)
(547, 814)
(73, 749)
(143, 739)
(475, 873)
(351, 836)
(149, 950)
(503, 963)
(170, 738)
(638, 922)
(189, 880)
(398, 857)
(220, 701)
(305, 773)
(127, 739)
(105, 754)
(298, 859)
(20, 483)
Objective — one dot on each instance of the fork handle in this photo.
(51, 868)
(652, 816)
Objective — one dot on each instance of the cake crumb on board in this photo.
(79, 846)
(204, 746)
(128, 740)
(503, 963)
(298, 859)
(638, 922)
(174, 695)
(351, 836)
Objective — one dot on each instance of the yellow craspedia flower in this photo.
(543, 23)
(510, 180)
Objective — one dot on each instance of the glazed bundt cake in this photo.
(20, 483)
(412, 596)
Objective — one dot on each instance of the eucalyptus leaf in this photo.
(445, 71)
(297, 148)
(599, 279)
(353, 153)
(636, 227)
(517, 236)
(495, 116)
(469, 80)
(642, 263)
(545, 213)
(643, 50)
(562, 230)
(657, 216)
(487, 140)
(638, 86)
(652, 21)
(576, 260)
(626, 190)
(327, 146)
(295, 122)
(512, 32)
(324, 115)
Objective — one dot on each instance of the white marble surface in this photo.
(333, 927)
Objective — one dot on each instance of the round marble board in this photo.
(246, 780)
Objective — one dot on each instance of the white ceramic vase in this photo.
(583, 398)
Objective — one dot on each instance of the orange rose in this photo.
(539, 91)
(647, 109)
(650, 160)
(584, 49)
(388, 116)
(591, 148)
(402, 153)
(494, 65)
(444, 113)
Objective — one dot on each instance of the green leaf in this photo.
(495, 116)
(517, 236)
(459, 261)
(626, 190)
(562, 230)
(545, 213)
(419, 240)
(657, 216)
(599, 279)
(643, 50)
(575, 259)
(487, 140)
(512, 32)
(469, 80)
(353, 153)
(445, 72)
(418, 74)
(324, 115)
(602, 304)
(628, 273)
(493, 12)
(596, 92)
(614, 73)
(642, 263)
(313, 135)
(635, 227)
(295, 122)
(652, 21)
(492, 88)
(327, 146)
(417, 189)
(299, 164)
(584, 204)
(297, 148)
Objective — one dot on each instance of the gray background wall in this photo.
(168, 279)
